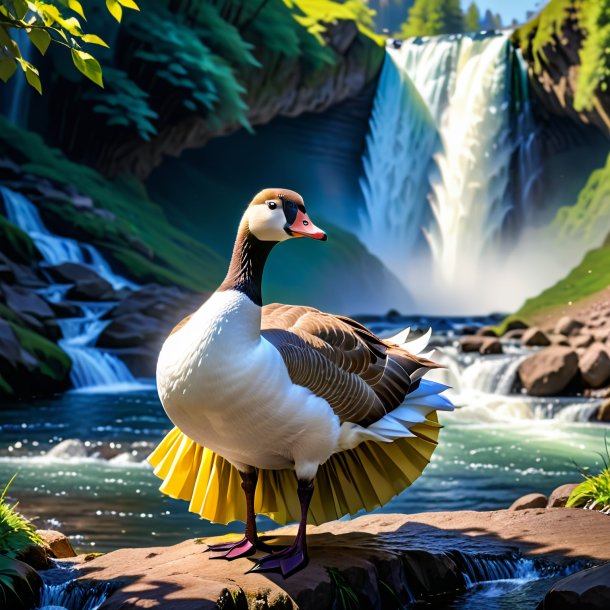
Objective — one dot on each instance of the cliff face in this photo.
(175, 78)
(560, 47)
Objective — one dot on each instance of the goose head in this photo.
(276, 215)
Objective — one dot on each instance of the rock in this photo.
(24, 301)
(516, 325)
(529, 501)
(35, 556)
(594, 365)
(471, 343)
(468, 329)
(601, 334)
(580, 341)
(91, 290)
(12, 355)
(560, 495)
(585, 590)
(68, 448)
(58, 543)
(62, 309)
(568, 326)
(549, 371)
(603, 413)
(558, 339)
(422, 550)
(131, 330)
(71, 273)
(486, 331)
(514, 335)
(490, 345)
(534, 337)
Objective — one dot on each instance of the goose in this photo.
(259, 394)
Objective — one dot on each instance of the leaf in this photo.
(77, 7)
(115, 9)
(7, 68)
(88, 65)
(93, 39)
(49, 13)
(31, 74)
(40, 38)
(129, 4)
(21, 8)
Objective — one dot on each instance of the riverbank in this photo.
(376, 560)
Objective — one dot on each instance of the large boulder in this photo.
(491, 345)
(585, 590)
(580, 341)
(559, 496)
(549, 371)
(534, 337)
(529, 501)
(486, 331)
(568, 326)
(594, 365)
(71, 273)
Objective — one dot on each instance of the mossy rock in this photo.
(16, 244)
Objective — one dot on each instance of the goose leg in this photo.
(293, 558)
(250, 543)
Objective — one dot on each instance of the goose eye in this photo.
(271, 205)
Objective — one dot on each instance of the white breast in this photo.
(228, 389)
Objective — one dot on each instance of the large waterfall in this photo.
(91, 367)
(449, 172)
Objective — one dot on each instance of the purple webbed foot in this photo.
(286, 562)
(243, 548)
(233, 550)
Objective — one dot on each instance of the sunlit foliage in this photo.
(433, 17)
(45, 23)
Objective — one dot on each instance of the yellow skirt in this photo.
(365, 477)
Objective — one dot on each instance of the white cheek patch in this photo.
(266, 224)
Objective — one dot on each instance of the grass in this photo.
(591, 276)
(594, 491)
(345, 598)
(16, 532)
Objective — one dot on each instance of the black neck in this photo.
(247, 263)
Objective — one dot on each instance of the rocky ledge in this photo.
(385, 561)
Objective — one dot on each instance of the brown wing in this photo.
(357, 373)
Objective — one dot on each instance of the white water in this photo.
(443, 137)
(92, 368)
(484, 390)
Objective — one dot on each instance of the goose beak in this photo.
(303, 227)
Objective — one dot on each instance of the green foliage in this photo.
(45, 23)
(433, 17)
(16, 532)
(472, 19)
(123, 104)
(588, 220)
(182, 61)
(594, 491)
(16, 590)
(594, 73)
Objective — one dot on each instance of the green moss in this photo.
(178, 258)
(53, 362)
(592, 275)
(16, 244)
(588, 220)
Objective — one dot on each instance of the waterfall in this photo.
(54, 249)
(443, 137)
(73, 595)
(16, 91)
(91, 367)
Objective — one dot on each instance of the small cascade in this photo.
(55, 249)
(91, 367)
(73, 595)
(491, 374)
(444, 137)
